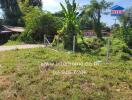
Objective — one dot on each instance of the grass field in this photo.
(24, 77)
(10, 42)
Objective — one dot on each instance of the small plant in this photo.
(123, 56)
(14, 37)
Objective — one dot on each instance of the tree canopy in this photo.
(126, 18)
(94, 11)
(12, 12)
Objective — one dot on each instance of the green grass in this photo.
(10, 42)
(29, 81)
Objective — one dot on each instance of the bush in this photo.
(82, 47)
(123, 56)
(95, 43)
(14, 37)
(103, 51)
(95, 46)
(39, 23)
(119, 46)
(91, 45)
(123, 34)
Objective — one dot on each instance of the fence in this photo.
(57, 43)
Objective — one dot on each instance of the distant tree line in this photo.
(66, 23)
(12, 12)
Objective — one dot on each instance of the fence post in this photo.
(108, 51)
(58, 43)
(74, 39)
(45, 39)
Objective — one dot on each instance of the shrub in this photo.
(39, 23)
(103, 51)
(123, 34)
(119, 46)
(14, 37)
(91, 45)
(96, 46)
(95, 43)
(123, 56)
(82, 47)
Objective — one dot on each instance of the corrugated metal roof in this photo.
(14, 29)
(5, 32)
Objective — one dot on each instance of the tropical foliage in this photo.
(70, 28)
(12, 12)
(94, 11)
(38, 24)
(125, 31)
(50, 74)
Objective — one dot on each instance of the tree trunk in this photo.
(98, 26)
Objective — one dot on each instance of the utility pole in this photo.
(115, 20)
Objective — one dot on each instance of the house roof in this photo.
(5, 32)
(116, 7)
(14, 29)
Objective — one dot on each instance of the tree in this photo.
(39, 23)
(125, 31)
(94, 10)
(12, 12)
(70, 28)
(59, 14)
(0, 24)
(85, 22)
(34, 3)
(126, 18)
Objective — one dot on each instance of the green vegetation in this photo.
(96, 47)
(94, 11)
(23, 74)
(12, 12)
(71, 27)
(11, 42)
(28, 80)
(124, 32)
(38, 23)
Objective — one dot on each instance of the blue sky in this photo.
(54, 5)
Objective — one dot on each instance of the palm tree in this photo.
(94, 10)
(71, 24)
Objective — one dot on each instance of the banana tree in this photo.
(70, 28)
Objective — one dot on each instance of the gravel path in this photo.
(27, 46)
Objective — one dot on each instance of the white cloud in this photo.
(49, 2)
(51, 5)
